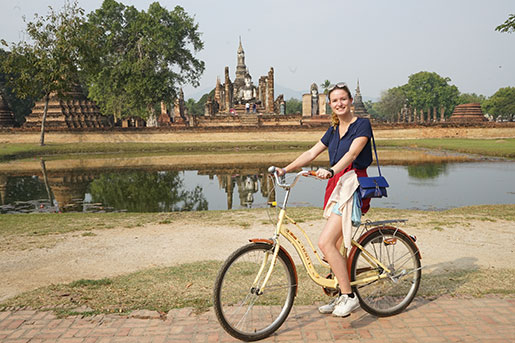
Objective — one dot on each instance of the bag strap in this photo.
(375, 151)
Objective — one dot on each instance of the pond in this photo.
(428, 186)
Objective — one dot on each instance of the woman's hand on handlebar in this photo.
(280, 171)
(323, 173)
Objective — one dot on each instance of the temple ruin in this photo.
(358, 108)
(241, 96)
(6, 115)
(313, 103)
(72, 111)
(468, 113)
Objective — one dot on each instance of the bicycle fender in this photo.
(368, 233)
(269, 241)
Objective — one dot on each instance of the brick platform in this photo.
(444, 319)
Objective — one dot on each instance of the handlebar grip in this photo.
(312, 173)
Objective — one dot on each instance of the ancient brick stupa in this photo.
(6, 115)
(73, 111)
(468, 113)
(359, 109)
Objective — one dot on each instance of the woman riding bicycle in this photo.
(348, 144)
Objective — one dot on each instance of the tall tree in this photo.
(391, 103)
(427, 90)
(20, 107)
(49, 63)
(508, 25)
(293, 106)
(465, 98)
(145, 57)
(501, 105)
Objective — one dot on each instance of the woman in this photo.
(348, 143)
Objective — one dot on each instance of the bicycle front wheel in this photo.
(381, 293)
(245, 312)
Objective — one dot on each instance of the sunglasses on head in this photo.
(339, 85)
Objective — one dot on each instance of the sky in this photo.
(379, 42)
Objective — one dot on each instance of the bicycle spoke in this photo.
(241, 311)
(392, 292)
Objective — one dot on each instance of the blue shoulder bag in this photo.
(374, 186)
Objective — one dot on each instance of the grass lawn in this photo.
(83, 150)
(488, 147)
(191, 285)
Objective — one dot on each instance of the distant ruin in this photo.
(468, 113)
(72, 111)
(241, 96)
(6, 115)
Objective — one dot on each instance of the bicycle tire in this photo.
(391, 295)
(240, 310)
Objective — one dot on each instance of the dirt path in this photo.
(121, 250)
(250, 136)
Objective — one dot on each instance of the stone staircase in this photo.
(248, 119)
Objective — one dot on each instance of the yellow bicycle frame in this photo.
(281, 230)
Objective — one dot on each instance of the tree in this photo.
(466, 98)
(197, 108)
(391, 103)
(293, 106)
(371, 108)
(508, 25)
(20, 107)
(501, 105)
(144, 57)
(427, 90)
(50, 63)
(325, 86)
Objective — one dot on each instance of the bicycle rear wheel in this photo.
(392, 293)
(244, 312)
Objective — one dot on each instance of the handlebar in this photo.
(282, 182)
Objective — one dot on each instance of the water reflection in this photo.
(141, 191)
(426, 170)
(175, 188)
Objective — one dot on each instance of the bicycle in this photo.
(256, 286)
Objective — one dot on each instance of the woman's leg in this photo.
(329, 242)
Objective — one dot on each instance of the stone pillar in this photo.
(442, 114)
(228, 93)
(306, 105)
(270, 92)
(434, 114)
(176, 111)
(322, 104)
(163, 108)
(218, 90)
(208, 107)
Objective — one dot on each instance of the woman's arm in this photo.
(305, 158)
(355, 149)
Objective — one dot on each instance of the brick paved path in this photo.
(442, 320)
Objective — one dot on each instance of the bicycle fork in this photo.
(259, 284)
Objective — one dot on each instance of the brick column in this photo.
(270, 92)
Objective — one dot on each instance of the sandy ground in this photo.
(250, 136)
(117, 251)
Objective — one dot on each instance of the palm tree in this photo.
(325, 86)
